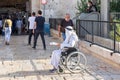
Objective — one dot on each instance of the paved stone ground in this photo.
(20, 62)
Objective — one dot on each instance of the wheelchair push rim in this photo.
(76, 62)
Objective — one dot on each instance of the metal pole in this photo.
(44, 10)
(114, 37)
(92, 33)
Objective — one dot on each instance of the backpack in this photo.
(6, 24)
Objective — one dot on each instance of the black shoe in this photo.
(5, 43)
(8, 43)
(53, 70)
(28, 44)
(44, 48)
(34, 47)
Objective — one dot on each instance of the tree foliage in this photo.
(115, 6)
(117, 25)
(82, 6)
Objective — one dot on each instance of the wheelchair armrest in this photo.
(68, 47)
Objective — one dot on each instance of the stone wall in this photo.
(58, 8)
(109, 43)
(35, 5)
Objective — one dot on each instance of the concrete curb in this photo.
(100, 52)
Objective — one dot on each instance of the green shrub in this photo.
(117, 30)
(82, 6)
(114, 6)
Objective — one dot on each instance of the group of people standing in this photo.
(36, 28)
(17, 23)
(10, 25)
(6, 27)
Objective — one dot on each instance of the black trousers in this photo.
(30, 35)
(37, 33)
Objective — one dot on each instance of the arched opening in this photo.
(14, 6)
(16, 9)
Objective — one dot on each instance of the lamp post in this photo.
(44, 2)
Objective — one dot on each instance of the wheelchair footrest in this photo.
(60, 69)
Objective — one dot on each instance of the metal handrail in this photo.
(117, 33)
(114, 48)
(76, 17)
(90, 14)
(85, 29)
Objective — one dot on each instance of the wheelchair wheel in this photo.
(76, 62)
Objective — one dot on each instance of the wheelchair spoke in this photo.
(76, 62)
(82, 62)
(72, 63)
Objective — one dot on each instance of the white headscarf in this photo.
(69, 32)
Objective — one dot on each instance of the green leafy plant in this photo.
(82, 6)
(117, 25)
(114, 6)
(98, 5)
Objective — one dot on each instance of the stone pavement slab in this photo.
(20, 62)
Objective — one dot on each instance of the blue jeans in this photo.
(63, 36)
(7, 34)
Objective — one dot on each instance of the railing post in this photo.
(79, 28)
(55, 24)
(114, 36)
(100, 29)
(92, 33)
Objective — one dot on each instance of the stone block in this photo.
(101, 53)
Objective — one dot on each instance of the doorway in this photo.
(14, 5)
(16, 9)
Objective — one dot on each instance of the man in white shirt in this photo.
(31, 27)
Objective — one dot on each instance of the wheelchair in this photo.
(73, 60)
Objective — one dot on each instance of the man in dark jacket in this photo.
(39, 29)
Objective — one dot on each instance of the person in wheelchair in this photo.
(69, 42)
